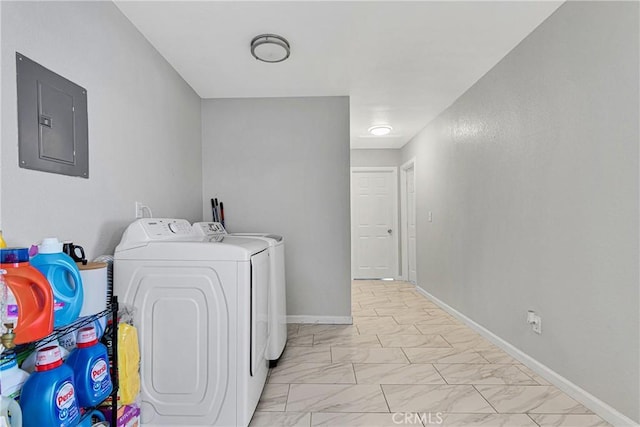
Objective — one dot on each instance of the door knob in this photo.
(389, 231)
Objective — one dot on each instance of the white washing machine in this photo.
(201, 309)
(277, 285)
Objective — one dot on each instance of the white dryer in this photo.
(201, 310)
(277, 285)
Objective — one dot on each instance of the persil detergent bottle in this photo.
(90, 364)
(64, 277)
(28, 299)
(49, 395)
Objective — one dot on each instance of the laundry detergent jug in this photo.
(49, 394)
(29, 298)
(64, 277)
(12, 378)
(90, 364)
(10, 412)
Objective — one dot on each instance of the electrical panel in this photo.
(52, 121)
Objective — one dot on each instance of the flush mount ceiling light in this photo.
(270, 48)
(380, 130)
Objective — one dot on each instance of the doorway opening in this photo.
(408, 221)
(374, 223)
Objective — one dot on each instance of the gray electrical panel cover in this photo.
(52, 121)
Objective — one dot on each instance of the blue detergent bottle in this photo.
(64, 277)
(49, 395)
(90, 365)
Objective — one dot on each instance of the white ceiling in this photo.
(401, 63)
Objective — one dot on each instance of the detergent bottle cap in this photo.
(14, 255)
(50, 245)
(86, 337)
(48, 358)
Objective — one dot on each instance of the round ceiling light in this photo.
(270, 48)
(380, 130)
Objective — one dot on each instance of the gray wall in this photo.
(375, 158)
(281, 165)
(532, 177)
(144, 127)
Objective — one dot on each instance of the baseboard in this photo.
(596, 405)
(327, 320)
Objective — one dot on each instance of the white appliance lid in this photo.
(174, 239)
(212, 228)
(192, 251)
(275, 237)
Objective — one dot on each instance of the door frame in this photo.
(411, 163)
(394, 236)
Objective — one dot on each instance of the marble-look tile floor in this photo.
(405, 361)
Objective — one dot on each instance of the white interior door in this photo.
(374, 210)
(411, 224)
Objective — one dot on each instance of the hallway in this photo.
(405, 361)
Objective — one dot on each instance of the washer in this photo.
(277, 285)
(201, 309)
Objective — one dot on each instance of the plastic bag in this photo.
(128, 364)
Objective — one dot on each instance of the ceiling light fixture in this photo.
(380, 130)
(270, 48)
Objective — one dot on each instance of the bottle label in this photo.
(16, 395)
(11, 313)
(58, 305)
(100, 379)
(66, 406)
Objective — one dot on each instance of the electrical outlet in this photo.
(139, 210)
(537, 325)
(535, 321)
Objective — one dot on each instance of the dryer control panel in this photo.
(145, 230)
(165, 227)
(209, 229)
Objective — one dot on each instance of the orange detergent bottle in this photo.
(29, 303)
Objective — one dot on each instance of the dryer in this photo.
(201, 310)
(277, 285)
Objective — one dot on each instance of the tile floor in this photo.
(404, 361)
